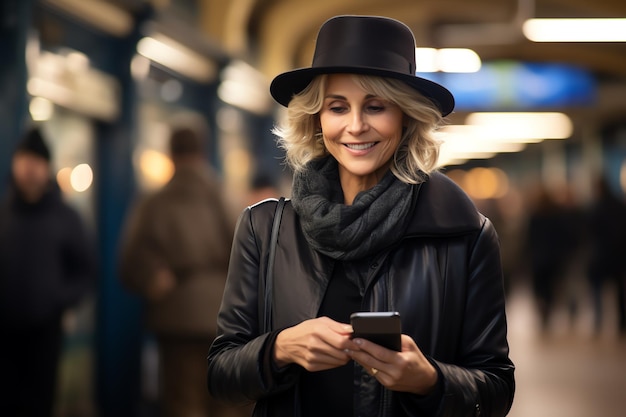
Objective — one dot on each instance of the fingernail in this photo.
(358, 341)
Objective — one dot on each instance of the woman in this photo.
(370, 227)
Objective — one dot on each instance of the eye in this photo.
(373, 108)
(337, 108)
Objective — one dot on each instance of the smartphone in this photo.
(382, 328)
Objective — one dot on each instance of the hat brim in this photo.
(284, 86)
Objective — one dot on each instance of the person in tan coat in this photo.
(175, 255)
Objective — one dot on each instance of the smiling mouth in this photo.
(360, 146)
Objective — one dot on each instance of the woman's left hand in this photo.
(406, 371)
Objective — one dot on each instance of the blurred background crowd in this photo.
(132, 133)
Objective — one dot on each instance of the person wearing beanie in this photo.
(33, 143)
(31, 166)
(46, 268)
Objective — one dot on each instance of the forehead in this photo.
(344, 84)
(28, 158)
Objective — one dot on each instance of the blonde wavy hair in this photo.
(418, 151)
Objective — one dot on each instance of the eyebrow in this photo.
(340, 97)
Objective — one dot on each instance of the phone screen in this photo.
(382, 328)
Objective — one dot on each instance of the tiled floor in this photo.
(566, 371)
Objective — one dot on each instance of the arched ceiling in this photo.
(277, 35)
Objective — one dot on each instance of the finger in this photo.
(338, 327)
(377, 351)
(327, 361)
(368, 362)
(331, 349)
(320, 361)
(329, 343)
(408, 344)
(346, 329)
(336, 335)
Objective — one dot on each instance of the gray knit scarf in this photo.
(376, 219)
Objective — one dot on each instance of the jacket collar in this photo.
(442, 208)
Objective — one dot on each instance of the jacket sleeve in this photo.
(481, 381)
(238, 360)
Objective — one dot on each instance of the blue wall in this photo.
(15, 18)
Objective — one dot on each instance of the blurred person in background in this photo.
(552, 240)
(607, 261)
(370, 226)
(175, 255)
(509, 223)
(506, 214)
(261, 188)
(46, 267)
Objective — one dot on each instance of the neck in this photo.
(354, 184)
(31, 193)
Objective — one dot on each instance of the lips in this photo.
(360, 146)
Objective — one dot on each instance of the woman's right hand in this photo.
(316, 344)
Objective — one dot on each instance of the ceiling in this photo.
(278, 35)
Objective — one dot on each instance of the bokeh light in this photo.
(81, 177)
(156, 167)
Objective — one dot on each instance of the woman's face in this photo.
(360, 130)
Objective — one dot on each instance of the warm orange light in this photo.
(156, 167)
(63, 179)
(486, 183)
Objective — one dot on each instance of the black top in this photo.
(330, 393)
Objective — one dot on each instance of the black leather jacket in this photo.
(444, 278)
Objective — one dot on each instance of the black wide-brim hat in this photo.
(369, 45)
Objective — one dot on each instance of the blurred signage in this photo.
(71, 83)
(508, 85)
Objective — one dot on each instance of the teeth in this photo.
(360, 146)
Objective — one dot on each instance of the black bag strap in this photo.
(269, 275)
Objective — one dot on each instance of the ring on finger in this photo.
(374, 371)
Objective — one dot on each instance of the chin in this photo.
(363, 172)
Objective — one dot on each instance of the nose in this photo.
(358, 123)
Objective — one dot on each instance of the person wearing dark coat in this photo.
(551, 243)
(46, 267)
(607, 238)
(371, 226)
